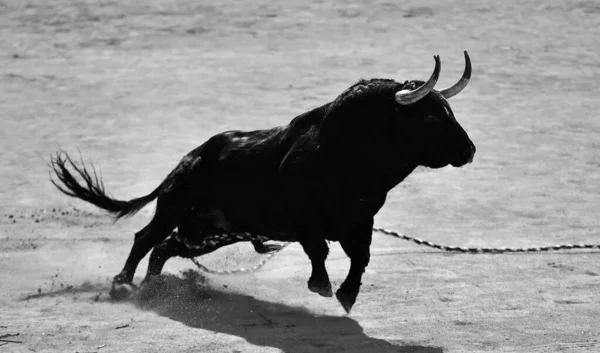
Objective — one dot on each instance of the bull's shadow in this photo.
(262, 323)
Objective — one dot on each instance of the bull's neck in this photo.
(397, 176)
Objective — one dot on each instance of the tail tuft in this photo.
(92, 189)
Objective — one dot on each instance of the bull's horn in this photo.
(462, 83)
(406, 96)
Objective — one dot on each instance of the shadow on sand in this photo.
(291, 329)
(191, 301)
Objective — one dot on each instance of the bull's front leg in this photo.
(356, 246)
(316, 248)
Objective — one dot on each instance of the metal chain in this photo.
(485, 250)
(240, 270)
(419, 242)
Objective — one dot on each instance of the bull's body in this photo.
(322, 177)
(277, 183)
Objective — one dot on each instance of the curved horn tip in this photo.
(468, 67)
(467, 58)
(462, 83)
(438, 67)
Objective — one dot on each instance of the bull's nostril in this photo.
(468, 154)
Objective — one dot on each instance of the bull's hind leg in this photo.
(159, 228)
(317, 251)
(163, 252)
(194, 229)
(155, 232)
(356, 246)
(171, 208)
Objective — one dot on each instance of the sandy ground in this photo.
(135, 85)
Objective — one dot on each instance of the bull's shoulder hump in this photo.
(310, 118)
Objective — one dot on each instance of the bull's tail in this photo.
(93, 190)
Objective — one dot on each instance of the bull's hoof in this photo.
(347, 300)
(321, 288)
(122, 291)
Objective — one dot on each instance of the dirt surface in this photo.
(136, 84)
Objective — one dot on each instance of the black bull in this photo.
(322, 177)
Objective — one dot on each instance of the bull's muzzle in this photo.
(469, 153)
(465, 157)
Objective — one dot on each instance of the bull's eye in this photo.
(431, 119)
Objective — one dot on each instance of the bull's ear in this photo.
(405, 97)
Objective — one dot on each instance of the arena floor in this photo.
(135, 85)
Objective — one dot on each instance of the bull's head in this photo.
(381, 123)
(427, 123)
